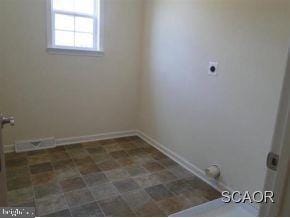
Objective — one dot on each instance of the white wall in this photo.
(65, 96)
(228, 119)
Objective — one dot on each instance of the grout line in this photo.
(88, 187)
(57, 183)
(58, 180)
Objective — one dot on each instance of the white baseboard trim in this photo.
(82, 139)
(92, 138)
(183, 162)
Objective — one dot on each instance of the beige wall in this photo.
(65, 96)
(228, 119)
(1, 53)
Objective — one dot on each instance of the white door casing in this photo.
(277, 181)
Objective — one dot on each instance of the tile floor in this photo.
(120, 177)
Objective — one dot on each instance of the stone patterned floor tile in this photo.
(167, 163)
(20, 196)
(62, 213)
(195, 182)
(119, 154)
(202, 188)
(112, 142)
(66, 173)
(158, 192)
(96, 150)
(138, 145)
(126, 185)
(78, 197)
(51, 204)
(117, 174)
(77, 153)
(195, 197)
(18, 181)
(108, 165)
(43, 178)
(180, 172)
(83, 161)
(136, 152)
(95, 179)
(17, 172)
(14, 155)
(63, 164)
(128, 146)
(136, 170)
(136, 199)
(165, 176)
(104, 191)
(158, 156)
(150, 150)
(26, 204)
(56, 149)
(88, 169)
(41, 168)
(142, 142)
(125, 162)
(150, 209)
(153, 166)
(173, 204)
(123, 139)
(37, 152)
(112, 147)
(179, 186)
(46, 190)
(116, 207)
(74, 146)
(87, 210)
(57, 156)
(99, 158)
(16, 162)
(211, 194)
(142, 159)
(147, 180)
(93, 144)
(72, 184)
(38, 159)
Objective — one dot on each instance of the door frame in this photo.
(276, 180)
(3, 184)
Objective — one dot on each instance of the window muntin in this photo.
(75, 24)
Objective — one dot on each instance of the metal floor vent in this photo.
(23, 146)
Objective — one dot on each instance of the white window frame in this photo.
(98, 49)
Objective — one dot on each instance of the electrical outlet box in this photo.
(213, 68)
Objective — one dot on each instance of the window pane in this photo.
(64, 22)
(64, 5)
(84, 6)
(84, 40)
(64, 38)
(84, 25)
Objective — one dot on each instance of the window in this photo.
(74, 26)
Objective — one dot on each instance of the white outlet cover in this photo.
(213, 64)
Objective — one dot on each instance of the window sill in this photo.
(74, 52)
